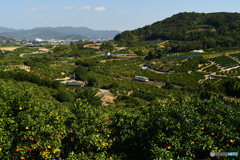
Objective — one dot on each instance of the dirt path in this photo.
(155, 83)
(155, 70)
(21, 55)
(201, 70)
(228, 53)
(233, 58)
(161, 44)
(44, 49)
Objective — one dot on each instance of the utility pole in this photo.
(168, 79)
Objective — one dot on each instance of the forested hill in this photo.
(188, 26)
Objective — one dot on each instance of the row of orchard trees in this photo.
(171, 129)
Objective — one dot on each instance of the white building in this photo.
(198, 51)
(39, 40)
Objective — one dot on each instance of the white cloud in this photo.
(125, 12)
(34, 9)
(68, 7)
(85, 8)
(100, 9)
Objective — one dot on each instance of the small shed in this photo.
(76, 85)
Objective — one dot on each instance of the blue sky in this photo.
(102, 14)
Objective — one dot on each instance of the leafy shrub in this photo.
(64, 96)
(81, 73)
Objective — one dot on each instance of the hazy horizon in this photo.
(102, 15)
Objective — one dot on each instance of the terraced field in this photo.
(236, 56)
(225, 62)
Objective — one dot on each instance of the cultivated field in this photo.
(94, 46)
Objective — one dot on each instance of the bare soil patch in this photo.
(11, 48)
(43, 49)
(24, 67)
(70, 57)
(108, 97)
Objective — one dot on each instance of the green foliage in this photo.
(25, 50)
(107, 46)
(30, 77)
(81, 73)
(28, 126)
(212, 68)
(227, 87)
(92, 65)
(90, 95)
(64, 96)
(224, 61)
(73, 51)
(153, 55)
(184, 128)
(194, 30)
(92, 81)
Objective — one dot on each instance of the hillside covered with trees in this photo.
(194, 30)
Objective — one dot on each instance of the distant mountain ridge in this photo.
(4, 29)
(57, 33)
